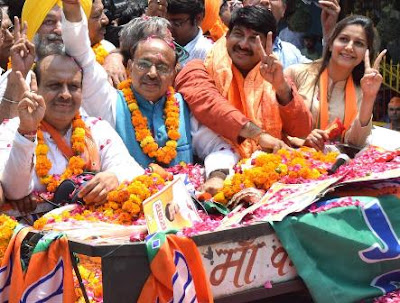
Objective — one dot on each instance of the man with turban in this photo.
(36, 14)
(394, 113)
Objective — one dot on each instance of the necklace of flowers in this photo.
(75, 165)
(143, 135)
(100, 52)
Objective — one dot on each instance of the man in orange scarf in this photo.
(49, 141)
(249, 96)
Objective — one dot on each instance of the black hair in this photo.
(14, 8)
(133, 10)
(254, 17)
(190, 7)
(368, 27)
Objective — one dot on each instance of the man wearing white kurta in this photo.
(101, 99)
(57, 103)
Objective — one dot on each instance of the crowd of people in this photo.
(201, 80)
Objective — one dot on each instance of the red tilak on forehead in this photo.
(169, 42)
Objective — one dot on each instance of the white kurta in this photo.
(17, 157)
(100, 98)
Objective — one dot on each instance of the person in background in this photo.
(343, 85)
(287, 53)
(133, 9)
(212, 24)
(225, 11)
(98, 22)
(394, 113)
(310, 50)
(7, 28)
(185, 17)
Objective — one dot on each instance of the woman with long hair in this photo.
(342, 85)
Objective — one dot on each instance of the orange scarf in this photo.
(90, 155)
(49, 273)
(177, 272)
(350, 102)
(252, 95)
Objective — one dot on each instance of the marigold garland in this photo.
(76, 164)
(100, 53)
(144, 136)
(7, 226)
(285, 166)
(123, 206)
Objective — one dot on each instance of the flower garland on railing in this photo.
(142, 132)
(100, 53)
(123, 206)
(7, 226)
(285, 166)
(76, 164)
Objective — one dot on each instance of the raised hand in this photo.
(31, 108)
(271, 68)
(330, 10)
(372, 79)
(157, 8)
(23, 51)
(72, 10)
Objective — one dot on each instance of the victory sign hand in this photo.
(271, 68)
(31, 108)
(372, 79)
(23, 51)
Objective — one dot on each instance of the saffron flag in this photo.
(46, 278)
(177, 272)
(346, 254)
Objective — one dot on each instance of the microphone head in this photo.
(343, 157)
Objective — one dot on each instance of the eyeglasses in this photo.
(10, 29)
(145, 65)
(179, 23)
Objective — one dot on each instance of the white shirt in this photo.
(100, 98)
(197, 48)
(18, 159)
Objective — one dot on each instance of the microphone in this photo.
(340, 160)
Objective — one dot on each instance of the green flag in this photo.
(346, 254)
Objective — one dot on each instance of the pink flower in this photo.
(268, 284)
